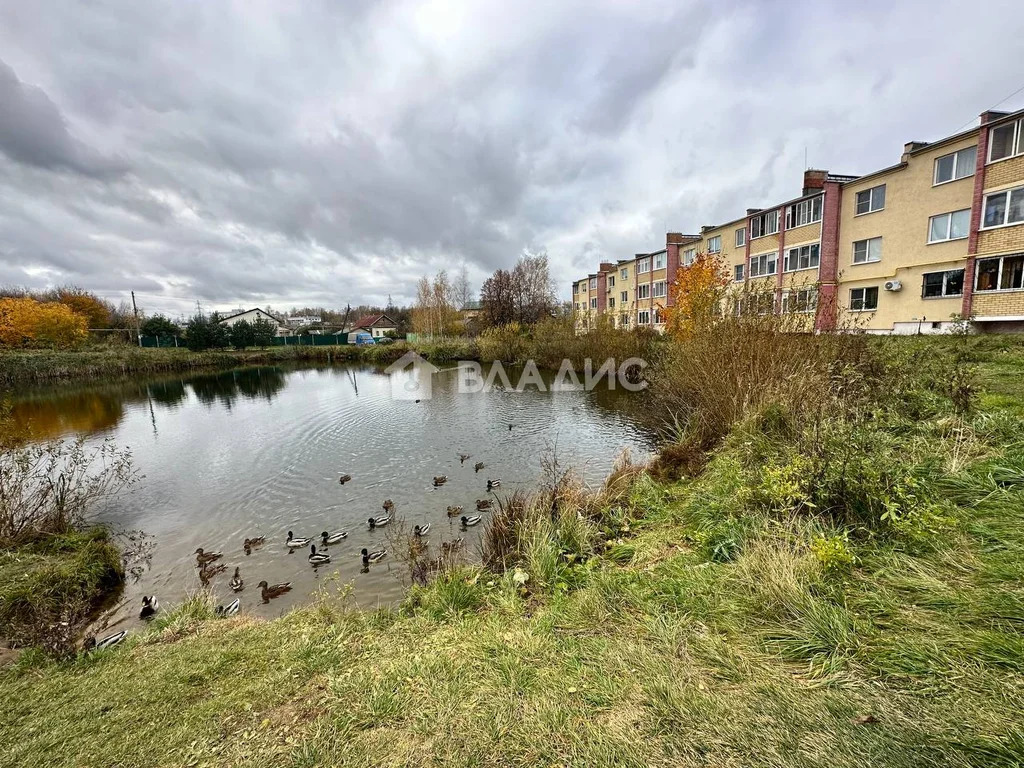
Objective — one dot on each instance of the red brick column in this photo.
(976, 213)
(828, 271)
(672, 243)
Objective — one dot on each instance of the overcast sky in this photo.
(320, 153)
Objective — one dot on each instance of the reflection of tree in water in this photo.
(247, 382)
(82, 413)
(170, 392)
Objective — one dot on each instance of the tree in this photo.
(263, 332)
(95, 311)
(205, 333)
(435, 313)
(497, 299)
(241, 334)
(460, 287)
(30, 323)
(161, 327)
(697, 294)
(525, 295)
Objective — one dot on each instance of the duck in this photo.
(463, 457)
(454, 511)
(318, 558)
(421, 530)
(373, 557)
(202, 558)
(478, 466)
(231, 609)
(388, 505)
(332, 538)
(107, 642)
(207, 572)
(379, 522)
(149, 607)
(448, 547)
(236, 583)
(253, 543)
(482, 504)
(270, 591)
(344, 479)
(492, 484)
(440, 480)
(471, 520)
(509, 427)
(294, 542)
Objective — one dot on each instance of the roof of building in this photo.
(247, 311)
(371, 321)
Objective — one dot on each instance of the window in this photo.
(624, 273)
(764, 264)
(643, 291)
(949, 226)
(804, 257)
(643, 265)
(689, 255)
(643, 317)
(937, 285)
(575, 287)
(611, 302)
(1006, 141)
(715, 244)
(866, 251)
(611, 281)
(624, 297)
(593, 283)
(624, 321)
(871, 200)
(660, 289)
(803, 300)
(765, 224)
(1005, 273)
(957, 165)
(739, 273)
(1006, 207)
(864, 299)
(659, 260)
(741, 237)
(804, 212)
(593, 303)
(658, 318)
(577, 306)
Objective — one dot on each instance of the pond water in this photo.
(259, 452)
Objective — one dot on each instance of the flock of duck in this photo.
(208, 565)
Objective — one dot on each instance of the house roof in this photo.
(254, 309)
(370, 321)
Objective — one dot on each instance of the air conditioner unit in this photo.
(893, 285)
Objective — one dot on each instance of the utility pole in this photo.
(138, 330)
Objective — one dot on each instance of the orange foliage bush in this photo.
(697, 294)
(30, 323)
(95, 311)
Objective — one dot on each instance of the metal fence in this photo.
(311, 340)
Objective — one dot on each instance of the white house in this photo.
(252, 315)
(375, 325)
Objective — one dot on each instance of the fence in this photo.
(325, 340)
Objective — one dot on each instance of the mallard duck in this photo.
(463, 457)
(107, 642)
(344, 479)
(207, 572)
(236, 582)
(202, 558)
(492, 484)
(269, 592)
(454, 511)
(332, 538)
(378, 522)
(440, 480)
(297, 542)
(482, 504)
(471, 520)
(231, 609)
(421, 530)
(149, 607)
(318, 558)
(373, 557)
(254, 543)
(448, 547)
(509, 427)
(478, 466)
(388, 505)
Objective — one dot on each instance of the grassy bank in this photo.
(830, 589)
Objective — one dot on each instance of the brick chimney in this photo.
(912, 146)
(992, 116)
(606, 266)
(752, 211)
(814, 179)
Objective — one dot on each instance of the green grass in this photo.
(716, 630)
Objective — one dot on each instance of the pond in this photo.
(259, 452)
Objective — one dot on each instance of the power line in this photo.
(970, 122)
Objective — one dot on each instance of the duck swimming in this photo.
(492, 484)
(373, 557)
(463, 457)
(471, 520)
(344, 479)
(300, 542)
(202, 558)
(440, 480)
(253, 543)
(318, 558)
(269, 592)
(378, 522)
(236, 583)
(388, 505)
(207, 572)
(478, 466)
(149, 607)
(231, 609)
(421, 530)
(454, 511)
(482, 504)
(332, 538)
(107, 642)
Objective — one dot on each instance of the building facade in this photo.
(912, 248)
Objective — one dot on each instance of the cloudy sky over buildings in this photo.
(318, 153)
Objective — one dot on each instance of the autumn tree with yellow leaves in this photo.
(697, 294)
(26, 322)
